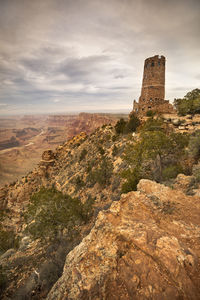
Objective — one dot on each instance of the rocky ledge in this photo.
(145, 246)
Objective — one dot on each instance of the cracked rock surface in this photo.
(145, 246)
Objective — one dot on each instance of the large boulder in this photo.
(146, 246)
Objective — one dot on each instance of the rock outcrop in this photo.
(145, 246)
(61, 168)
(182, 124)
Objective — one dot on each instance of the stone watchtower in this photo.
(153, 88)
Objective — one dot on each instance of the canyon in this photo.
(24, 138)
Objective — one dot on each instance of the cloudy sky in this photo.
(88, 55)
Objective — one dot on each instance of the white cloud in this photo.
(69, 50)
(56, 100)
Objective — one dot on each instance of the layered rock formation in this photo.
(146, 246)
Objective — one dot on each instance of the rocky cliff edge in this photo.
(145, 246)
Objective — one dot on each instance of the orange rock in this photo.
(138, 249)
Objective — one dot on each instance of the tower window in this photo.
(159, 63)
(152, 64)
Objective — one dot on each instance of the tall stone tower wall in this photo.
(153, 87)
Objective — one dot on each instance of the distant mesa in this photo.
(153, 88)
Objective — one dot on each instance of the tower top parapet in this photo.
(154, 60)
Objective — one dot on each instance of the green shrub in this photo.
(102, 174)
(194, 146)
(180, 140)
(153, 124)
(49, 212)
(157, 155)
(132, 124)
(120, 126)
(190, 104)
(123, 127)
(132, 178)
(196, 173)
(150, 113)
(8, 240)
(3, 280)
(171, 171)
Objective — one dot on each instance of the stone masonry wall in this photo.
(153, 88)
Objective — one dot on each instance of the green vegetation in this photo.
(123, 127)
(49, 212)
(150, 113)
(132, 123)
(120, 126)
(153, 124)
(194, 146)
(190, 104)
(8, 239)
(171, 171)
(132, 177)
(102, 173)
(3, 280)
(196, 173)
(157, 155)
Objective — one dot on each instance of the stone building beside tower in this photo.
(153, 88)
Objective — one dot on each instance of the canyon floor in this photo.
(23, 139)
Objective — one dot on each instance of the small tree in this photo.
(132, 123)
(49, 212)
(155, 156)
(190, 104)
(132, 178)
(103, 173)
(120, 126)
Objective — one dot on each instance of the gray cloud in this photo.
(83, 69)
(69, 55)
